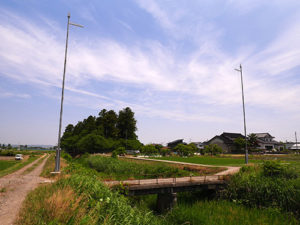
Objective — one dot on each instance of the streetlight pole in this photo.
(246, 149)
(57, 158)
(296, 141)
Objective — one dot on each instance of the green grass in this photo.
(17, 166)
(4, 164)
(118, 169)
(226, 213)
(229, 160)
(208, 160)
(79, 197)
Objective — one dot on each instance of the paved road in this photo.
(17, 187)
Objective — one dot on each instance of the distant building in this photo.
(295, 146)
(265, 141)
(199, 145)
(173, 144)
(226, 141)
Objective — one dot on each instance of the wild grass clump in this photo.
(112, 168)
(225, 213)
(81, 199)
(271, 185)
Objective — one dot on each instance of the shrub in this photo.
(275, 169)
(213, 149)
(149, 150)
(269, 188)
(184, 150)
(81, 199)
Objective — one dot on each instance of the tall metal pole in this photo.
(296, 141)
(245, 132)
(57, 159)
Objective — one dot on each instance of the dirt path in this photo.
(230, 169)
(16, 186)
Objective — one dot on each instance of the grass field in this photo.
(226, 213)
(80, 198)
(231, 160)
(207, 160)
(16, 166)
(4, 164)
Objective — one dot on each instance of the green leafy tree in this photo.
(9, 146)
(239, 143)
(93, 143)
(126, 124)
(213, 149)
(109, 119)
(165, 151)
(149, 150)
(118, 151)
(252, 141)
(184, 150)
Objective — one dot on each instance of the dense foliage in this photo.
(185, 150)
(81, 199)
(273, 185)
(212, 149)
(104, 133)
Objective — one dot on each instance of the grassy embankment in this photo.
(79, 197)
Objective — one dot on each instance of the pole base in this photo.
(54, 172)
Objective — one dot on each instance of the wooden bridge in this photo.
(166, 188)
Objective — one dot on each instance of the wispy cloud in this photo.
(34, 54)
(6, 94)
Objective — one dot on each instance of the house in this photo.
(265, 141)
(226, 141)
(199, 145)
(296, 146)
(173, 144)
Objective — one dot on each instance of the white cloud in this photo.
(31, 53)
(6, 94)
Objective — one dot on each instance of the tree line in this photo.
(104, 133)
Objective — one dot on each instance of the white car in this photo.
(18, 157)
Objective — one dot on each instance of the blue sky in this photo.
(172, 62)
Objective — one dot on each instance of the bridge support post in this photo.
(165, 201)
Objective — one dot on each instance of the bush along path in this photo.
(14, 188)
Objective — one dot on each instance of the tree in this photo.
(9, 146)
(108, 119)
(252, 141)
(93, 143)
(119, 151)
(126, 124)
(239, 143)
(184, 150)
(213, 149)
(149, 150)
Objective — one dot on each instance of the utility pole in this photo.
(296, 141)
(57, 157)
(245, 132)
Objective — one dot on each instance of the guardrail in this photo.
(171, 180)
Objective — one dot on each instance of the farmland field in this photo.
(231, 160)
(4, 164)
